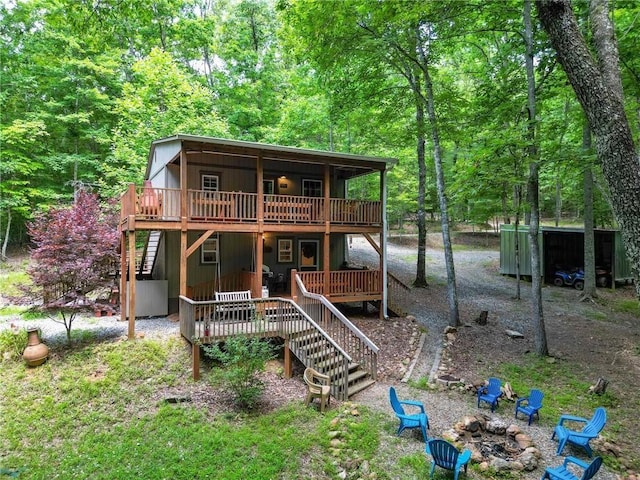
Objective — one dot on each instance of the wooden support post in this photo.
(123, 276)
(288, 368)
(257, 281)
(294, 286)
(131, 334)
(326, 245)
(195, 358)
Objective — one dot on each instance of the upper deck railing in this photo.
(164, 204)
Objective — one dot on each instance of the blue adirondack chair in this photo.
(447, 456)
(563, 473)
(490, 393)
(530, 405)
(413, 420)
(590, 430)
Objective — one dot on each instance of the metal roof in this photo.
(276, 151)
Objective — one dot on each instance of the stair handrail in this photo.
(196, 332)
(339, 315)
(393, 280)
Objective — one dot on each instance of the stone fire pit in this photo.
(494, 444)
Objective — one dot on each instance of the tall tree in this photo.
(596, 82)
(537, 314)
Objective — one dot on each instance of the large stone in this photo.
(523, 440)
(497, 427)
(471, 424)
(534, 451)
(450, 436)
(500, 465)
(513, 430)
(528, 460)
(476, 454)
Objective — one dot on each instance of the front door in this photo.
(308, 255)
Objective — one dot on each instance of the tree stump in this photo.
(600, 387)
(482, 319)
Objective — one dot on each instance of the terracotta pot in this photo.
(36, 352)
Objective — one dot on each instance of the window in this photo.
(210, 183)
(209, 250)
(285, 250)
(268, 187)
(312, 188)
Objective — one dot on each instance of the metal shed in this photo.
(563, 246)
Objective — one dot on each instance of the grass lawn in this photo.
(95, 411)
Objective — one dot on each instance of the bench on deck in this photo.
(238, 306)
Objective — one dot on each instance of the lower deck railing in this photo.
(343, 283)
(207, 322)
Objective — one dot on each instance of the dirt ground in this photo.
(596, 338)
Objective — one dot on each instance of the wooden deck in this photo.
(164, 205)
(315, 332)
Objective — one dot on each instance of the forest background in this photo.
(86, 86)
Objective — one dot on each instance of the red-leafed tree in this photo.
(73, 258)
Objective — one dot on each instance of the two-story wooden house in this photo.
(224, 215)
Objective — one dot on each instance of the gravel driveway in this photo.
(478, 289)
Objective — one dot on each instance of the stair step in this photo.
(354, 377)
(358, 387)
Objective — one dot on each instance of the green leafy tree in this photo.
(162, 99)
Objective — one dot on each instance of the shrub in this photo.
(242, 358)
(13, 341)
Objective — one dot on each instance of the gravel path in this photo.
(104, 328)
(478, 289)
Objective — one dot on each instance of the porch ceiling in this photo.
(349, 165)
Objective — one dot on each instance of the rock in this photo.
(450, 436)
(476, 454)
(497, 427)
(450, 329)
(458, 427)
(514, 334)
(513, 430)
(411, 318)
(500, 465)
(335, 421)
(534, 451)
(336, 443)
(365, 468)
(484, 466)
(342, 474)
(523, 440)
(528, 460)
(471, 424)
(334, 434)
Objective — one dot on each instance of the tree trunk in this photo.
(452, 294)
(597, 93)
(421, 278)
(6, 235)
(537, 316)
(589, 241)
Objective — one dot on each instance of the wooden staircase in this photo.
(149, 254)
(146, 258)
(314, 350)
